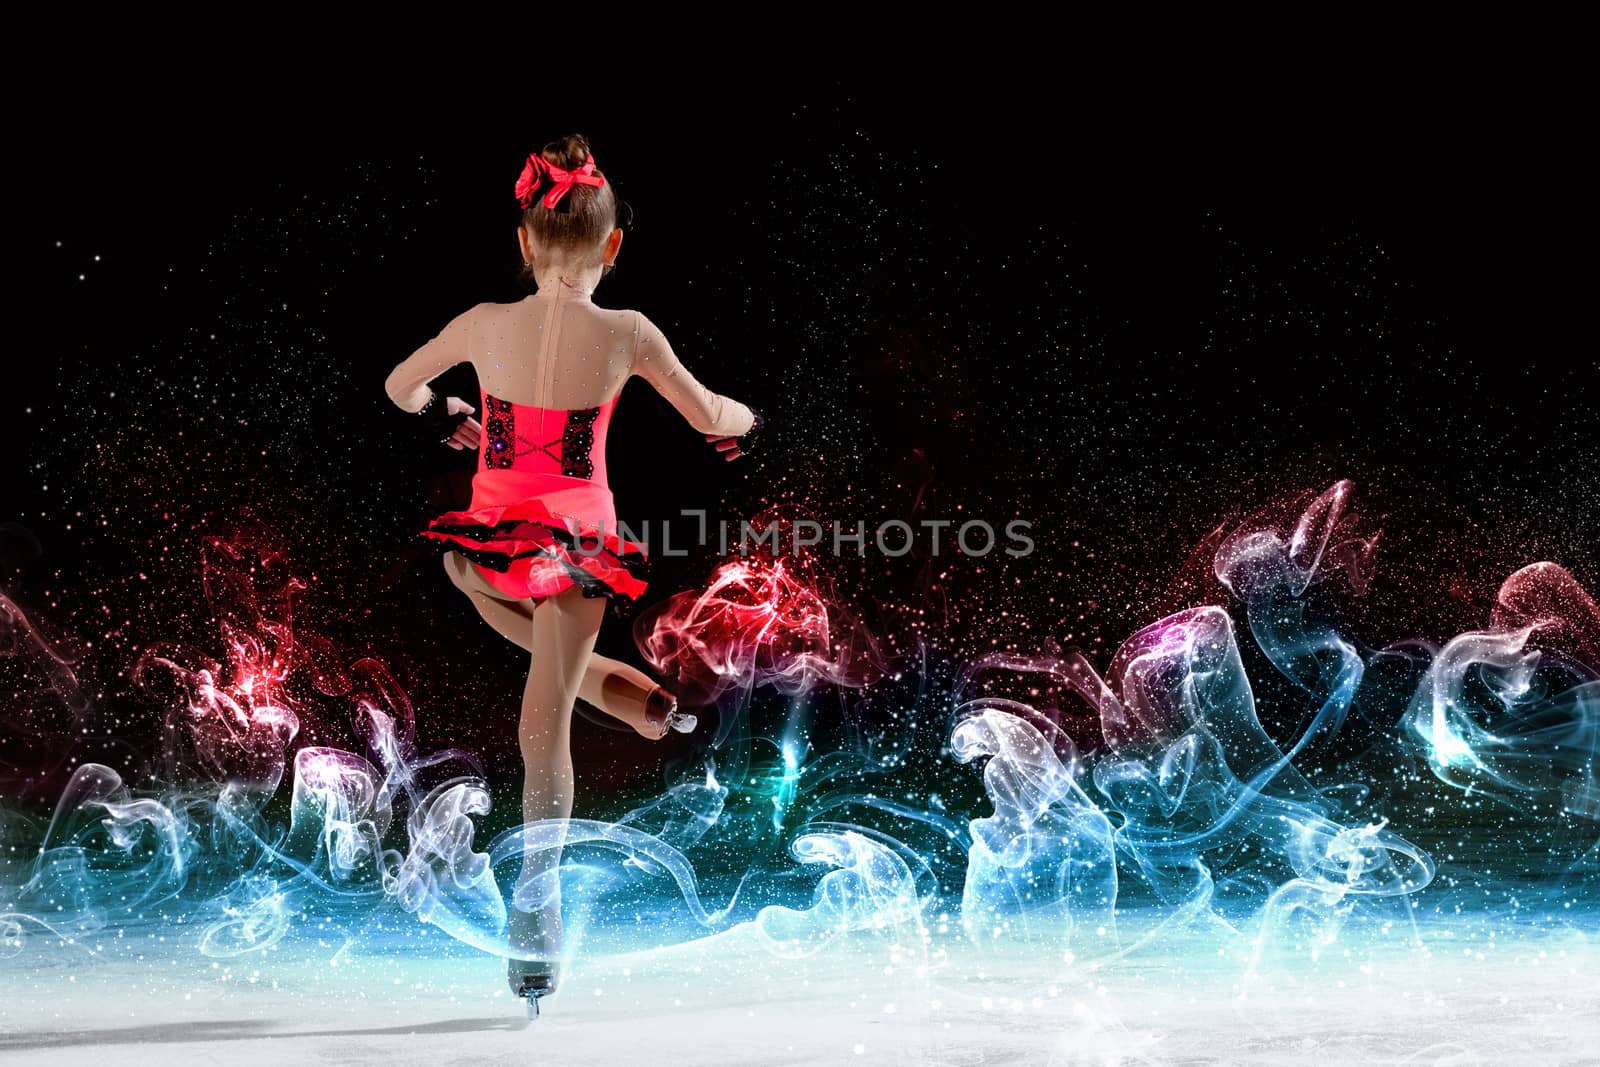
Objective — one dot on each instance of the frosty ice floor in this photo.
(1467, 995)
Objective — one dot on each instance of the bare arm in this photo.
(407, 384)
(708, 412)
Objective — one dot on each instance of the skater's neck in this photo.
(568, 279)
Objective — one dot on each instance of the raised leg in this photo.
(621, 691)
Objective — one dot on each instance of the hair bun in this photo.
(569, 152)
(584, 212)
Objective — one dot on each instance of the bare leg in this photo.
(564, 632)
(621, 691)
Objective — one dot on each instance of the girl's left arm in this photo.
(407, 384)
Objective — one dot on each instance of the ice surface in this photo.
(411, 995)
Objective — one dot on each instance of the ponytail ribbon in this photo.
(537, 169)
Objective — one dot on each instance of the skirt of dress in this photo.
(534, 535)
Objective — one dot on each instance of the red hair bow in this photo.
(537, 169)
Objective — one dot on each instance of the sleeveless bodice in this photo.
(521, 437)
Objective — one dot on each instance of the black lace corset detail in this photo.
(501, 439)
(499, 430)
(577, 440)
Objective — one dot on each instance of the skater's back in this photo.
(557, 350)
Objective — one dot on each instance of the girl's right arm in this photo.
(710, 413)
(407, 384)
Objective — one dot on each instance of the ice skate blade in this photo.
(661, 711)
(534, 989)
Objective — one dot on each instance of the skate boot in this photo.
(661, 711)
(530, 979)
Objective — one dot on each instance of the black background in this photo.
(1121, 307)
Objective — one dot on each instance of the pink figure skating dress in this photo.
(550, 369)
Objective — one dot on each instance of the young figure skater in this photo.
(536, 550)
